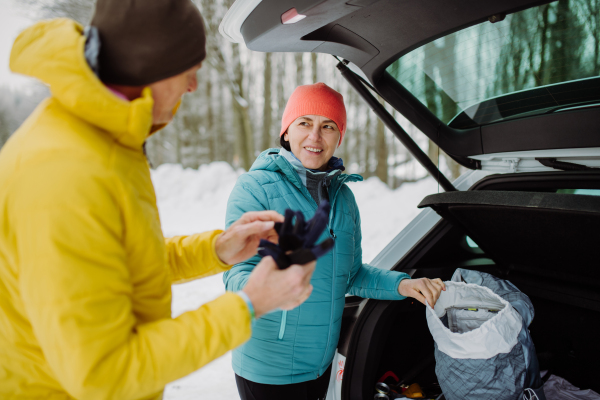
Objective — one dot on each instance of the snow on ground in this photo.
(191, 201)
(385, 212)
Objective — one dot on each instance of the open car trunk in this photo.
(546, 243)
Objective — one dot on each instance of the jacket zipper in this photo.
(282, 326)
(332, 302)
(284, 313)
(332, 233)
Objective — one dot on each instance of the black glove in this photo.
(297, 238)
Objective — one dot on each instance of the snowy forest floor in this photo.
(191, 201)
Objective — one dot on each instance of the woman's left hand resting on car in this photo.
(422, 289)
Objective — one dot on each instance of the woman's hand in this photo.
(240, 241)
(422, 289)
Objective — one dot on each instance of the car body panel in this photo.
(400, 25)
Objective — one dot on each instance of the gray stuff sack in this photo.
(483, 349)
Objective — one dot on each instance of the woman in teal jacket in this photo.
(290, 353)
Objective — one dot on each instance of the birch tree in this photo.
(267, 138)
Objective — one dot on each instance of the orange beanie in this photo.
(317, 99)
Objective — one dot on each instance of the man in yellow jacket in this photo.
(85, 273)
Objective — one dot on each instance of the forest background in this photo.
(236, 111)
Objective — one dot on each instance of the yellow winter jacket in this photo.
(85, 273)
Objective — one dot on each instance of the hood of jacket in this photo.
(53, 52)
(271, 160)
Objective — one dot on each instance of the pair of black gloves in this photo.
(297, 238)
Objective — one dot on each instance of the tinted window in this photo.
(537, 60)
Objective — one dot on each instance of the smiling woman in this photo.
(313, 139)
(313, 124)
(290, 353)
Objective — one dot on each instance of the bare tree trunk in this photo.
(267, 139)
(367, 144)
(381, 152)
(433, 152)
(449, 106)
(592, 14)
(4, 128)
(541, 76)
(79, 10)
(227, 146)
(356, 132)
(431, 94)
(210, 120)
(345, 155)
(394, 179)
(281, 100)
(453, 167)
(177, 144)
(299, 68)
(244, 139)
(235, 81)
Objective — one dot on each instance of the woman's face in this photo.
(313, 140)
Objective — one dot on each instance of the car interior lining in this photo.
(540, 181)
(400, 26)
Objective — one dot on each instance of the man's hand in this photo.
(269, 287)
(240, 241)
(422, 289)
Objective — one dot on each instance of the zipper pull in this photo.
(332, 234)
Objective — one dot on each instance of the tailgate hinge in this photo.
(513, 163)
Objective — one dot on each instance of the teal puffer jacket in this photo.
(299, 345)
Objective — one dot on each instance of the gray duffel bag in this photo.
(483, 349)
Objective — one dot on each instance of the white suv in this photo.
(509, 89)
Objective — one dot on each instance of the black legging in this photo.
(310, 390)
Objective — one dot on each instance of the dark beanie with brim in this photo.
(143, 42)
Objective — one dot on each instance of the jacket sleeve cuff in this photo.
(195, 256)
(402, 276)
(249, 304)
(216, 235)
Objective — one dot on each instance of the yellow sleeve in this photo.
(193, 257)
(75, 287)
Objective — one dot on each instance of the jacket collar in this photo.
(273, 160)
(53, 51)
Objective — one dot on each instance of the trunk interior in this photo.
(565, 338)
(394, 336)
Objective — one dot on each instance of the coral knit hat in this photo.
(317, 99)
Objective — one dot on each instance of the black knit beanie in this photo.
(146, 41)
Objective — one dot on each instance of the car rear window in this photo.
(543, 59)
